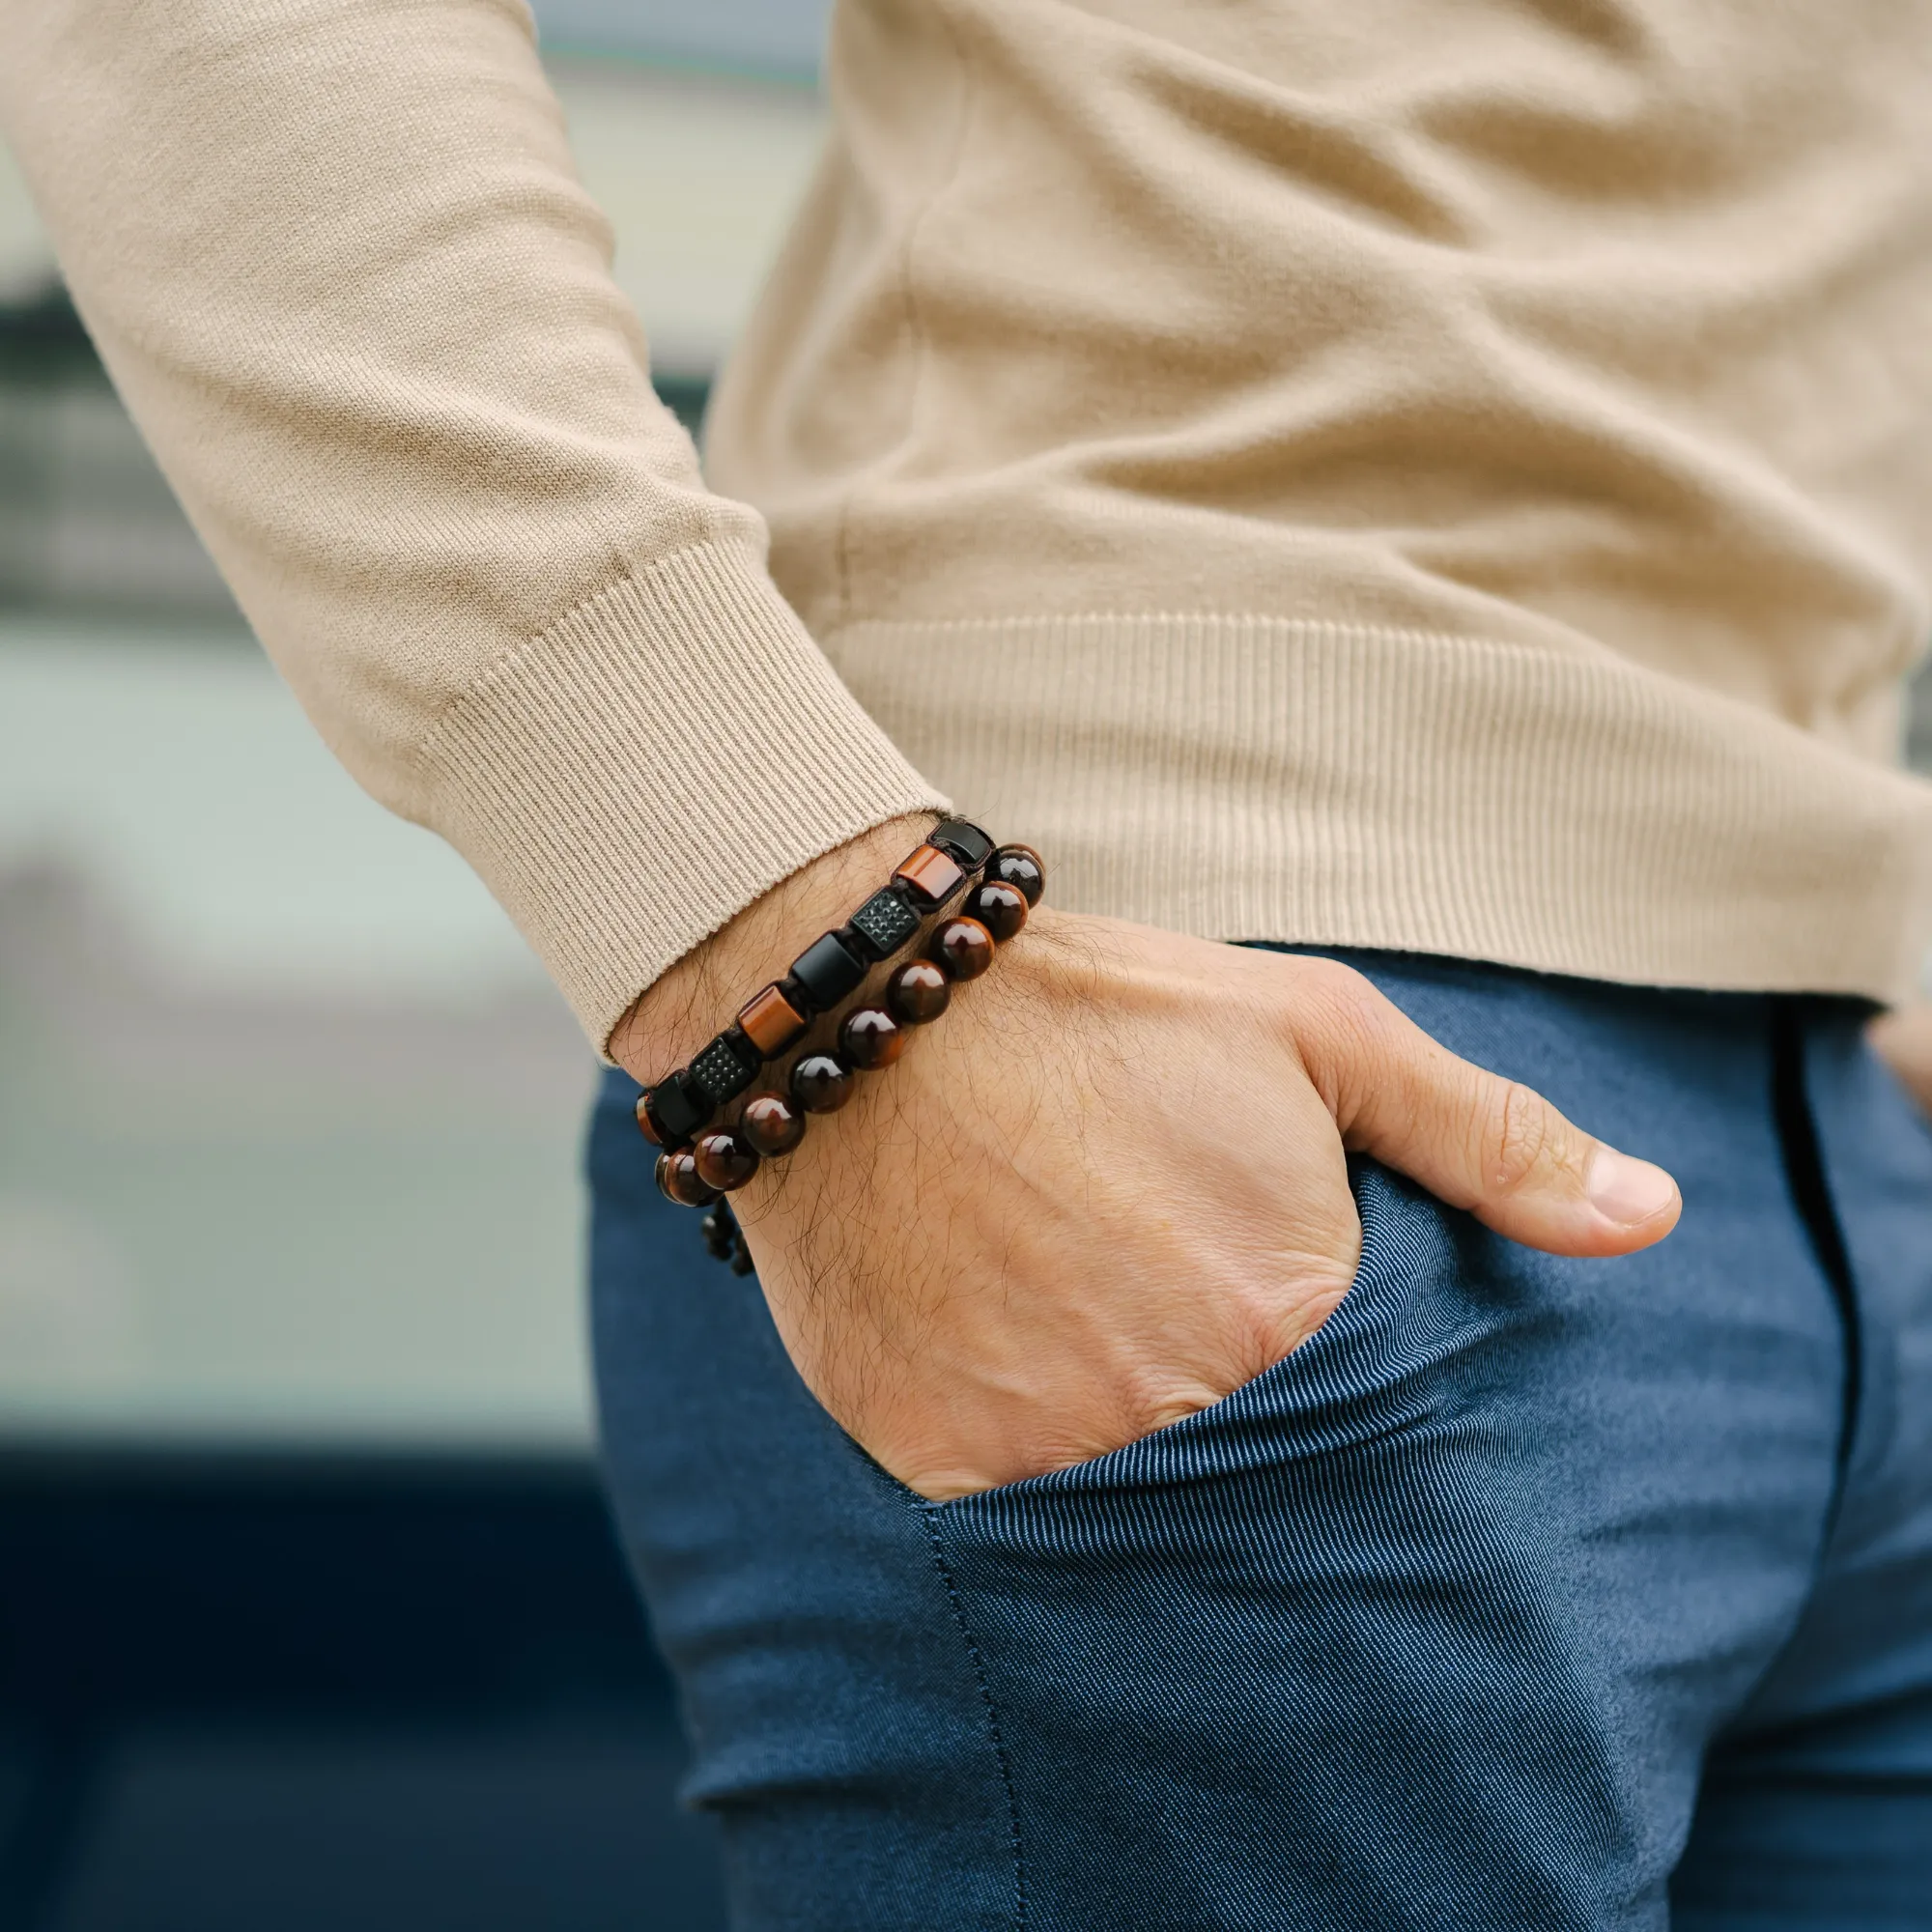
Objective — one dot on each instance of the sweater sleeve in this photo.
(336, 258)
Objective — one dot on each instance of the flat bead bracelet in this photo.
(698, 1164)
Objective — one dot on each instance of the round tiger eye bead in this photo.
(919, 992)
(1019, 867)
(999, 908)
(771, 1124)
(726, 1159)
(870, 1037)
(964, 948)
(678, 1180)
(821, 1083)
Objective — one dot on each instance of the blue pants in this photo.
(1529, 1592)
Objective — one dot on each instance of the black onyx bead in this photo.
(964, 948)
(678, 1180)
(826, 970)
(726, 1159)
(919, 992)
(679, 1107)
(965, 842)
(999, 908)
(821, 1083)
(884, 923)
(771, 1124)
(724, 1069)
(870, 1037)
(1019, 866)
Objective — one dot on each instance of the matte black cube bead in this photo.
(965, 842)
(725, 1067)
(827, 971)
(679, 1107)
(884, 923)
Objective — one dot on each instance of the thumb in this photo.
(1494, 1147)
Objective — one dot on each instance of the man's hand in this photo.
(1109, 1186)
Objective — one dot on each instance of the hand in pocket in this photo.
(1110, 1186)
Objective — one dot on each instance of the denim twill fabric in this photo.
(1521, 1577)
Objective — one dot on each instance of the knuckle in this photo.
(1335, 1001)
(1516, 1136)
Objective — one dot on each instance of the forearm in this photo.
(338, 262)
(698, 995)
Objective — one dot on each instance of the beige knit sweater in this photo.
(1454, 476)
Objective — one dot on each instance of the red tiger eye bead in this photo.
(919, 992)
(999, 908)
(964, 948)
(771, 1022)
(821, 1083)
(726, 1159)
(771, 1124)
(678, 1180)
(934, 875)
(870, 1037)
(1020, 867)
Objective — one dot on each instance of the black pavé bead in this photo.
(964, 840)
(679, 1107)
(725, 1067)
(827, 971)
(884, 923)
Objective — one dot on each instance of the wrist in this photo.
(672, 1018)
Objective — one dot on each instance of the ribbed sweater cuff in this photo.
(656, 759)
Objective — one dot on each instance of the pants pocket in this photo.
(1370, 1369)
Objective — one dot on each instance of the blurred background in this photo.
(310, 1616)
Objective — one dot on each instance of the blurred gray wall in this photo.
(759, 36)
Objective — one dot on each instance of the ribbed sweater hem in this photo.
(656, 759)
(1244, 777)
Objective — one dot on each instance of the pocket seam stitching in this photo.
(928, 1514)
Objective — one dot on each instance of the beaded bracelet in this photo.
(699, 1164)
